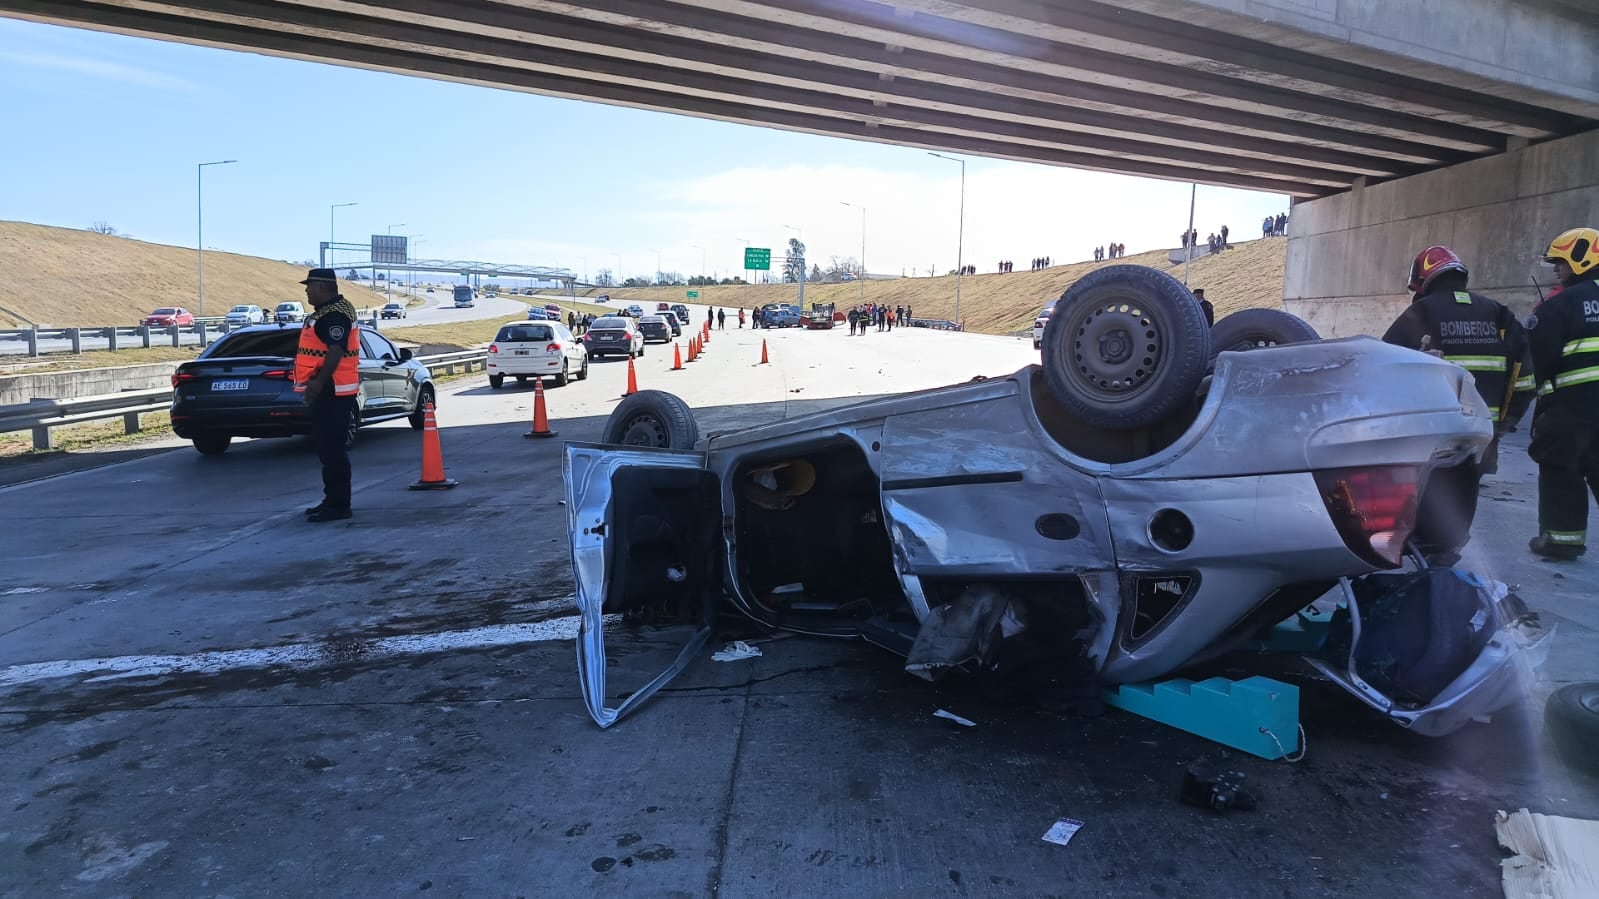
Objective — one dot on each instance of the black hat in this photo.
(1199, 292)
(321, 274)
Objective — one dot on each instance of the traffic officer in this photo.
(1564, 333)
(1482, 336)
(326, 372)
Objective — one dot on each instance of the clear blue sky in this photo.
(109, 128)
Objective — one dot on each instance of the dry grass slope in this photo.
(1248, 276)
(63, 278)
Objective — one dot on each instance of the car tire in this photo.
(1125, 348)
(652, 418)
(562, 379)
(521, 380)
(418, 416)
(1038, 344)
(212, 444)
(1249, 329)
(496, 382)
(1571, 715)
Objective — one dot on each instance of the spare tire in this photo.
(1571, 716)
(652, 418)
(1125, 347)
(1249, 329)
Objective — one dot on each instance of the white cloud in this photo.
(100, 68)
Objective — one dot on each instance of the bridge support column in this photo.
(1349, 254)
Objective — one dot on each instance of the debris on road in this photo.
(736, 651)
(1208, 786)
(1552, 856)
(1062, 831)
(951, 716)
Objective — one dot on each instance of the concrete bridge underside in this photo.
(1302, 97)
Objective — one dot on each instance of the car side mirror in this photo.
(406, 355)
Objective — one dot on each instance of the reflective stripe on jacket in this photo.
(313, 352)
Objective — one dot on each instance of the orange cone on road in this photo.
(707, 332)
(541, 420)
(677, 357)
(764, 360)
(693, 349)
(632, 378)
(432, 456)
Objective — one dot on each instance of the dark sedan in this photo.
(243, 386)
(654, 327)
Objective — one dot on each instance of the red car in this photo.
(167, 316)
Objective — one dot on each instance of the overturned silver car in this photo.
(1132, 507)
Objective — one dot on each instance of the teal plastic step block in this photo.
(1243, 714)
(1304, 631)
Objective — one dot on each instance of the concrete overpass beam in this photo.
(1349, 254)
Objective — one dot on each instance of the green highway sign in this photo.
(693, 294)
(758, 259)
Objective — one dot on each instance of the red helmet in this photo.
(1430, 263)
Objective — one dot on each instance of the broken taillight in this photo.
(1374, 509)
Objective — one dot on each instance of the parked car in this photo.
(613, 335)
(781, 317)
(245, 314)
(243, 386)
(818, 318)
(289, 313)
(1138, 517)
(654, 327)
(663, 309)
(167, 316)
(536, 349)
(392, 310)
(682, 313)
(1039, 322)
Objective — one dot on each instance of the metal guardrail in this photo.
(40, 415)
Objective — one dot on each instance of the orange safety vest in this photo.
(313, 353)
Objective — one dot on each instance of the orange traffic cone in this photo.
(541, 420)
(693, 349)
(707, 332)
(677, 357)
(432, 457)
(764, 360)
(632, 378)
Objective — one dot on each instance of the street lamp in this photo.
(332, 235)
(801, 235)
(388, 281)
(657, 266)
(863, 248)
(199, 222)
(960, 240)
(702, 260)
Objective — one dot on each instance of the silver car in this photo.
(990, 519)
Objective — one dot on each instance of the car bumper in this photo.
(525, 365)
(278, 420)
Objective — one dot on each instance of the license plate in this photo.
(237, 384)
(521, 352)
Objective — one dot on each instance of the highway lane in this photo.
(816, 769)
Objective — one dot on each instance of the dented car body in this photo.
(949, 525)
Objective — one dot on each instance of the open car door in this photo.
(646, 537)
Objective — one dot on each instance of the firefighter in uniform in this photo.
(326, 372)
(1482, 336)
(1564, 333)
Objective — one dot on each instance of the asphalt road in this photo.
(389, 705)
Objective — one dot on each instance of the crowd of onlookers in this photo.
(1274, 227)
(885, 317)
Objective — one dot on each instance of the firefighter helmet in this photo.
(1430, 263)
(1578, 248)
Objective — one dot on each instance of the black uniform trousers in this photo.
(1565, 444)
(331, 417)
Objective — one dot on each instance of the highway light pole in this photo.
(863, 248)
(801, 235)
(702, 261)
(388, 279)
(657, 266)
(960, 238)
(332, 234)
(199, 221)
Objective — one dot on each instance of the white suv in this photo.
(525, 349)
(243, 314)
(1038, 326)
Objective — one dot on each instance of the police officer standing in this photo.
(1482, 336)
(1564, 332)
(326, 373)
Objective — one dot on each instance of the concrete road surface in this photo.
(201, 694)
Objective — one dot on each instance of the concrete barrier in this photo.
(69, 385)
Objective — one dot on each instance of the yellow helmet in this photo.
(1578, 248)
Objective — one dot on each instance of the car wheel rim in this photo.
(1250, 342)
(646, 430)
(1116, 349)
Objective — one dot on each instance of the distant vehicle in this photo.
(847, 276)
(289, 313)
(1039, 322)
(392, 310)
(654, 327)
(167, 316)
(779, 315)
(636, 310)
(614, 334)
(552, 311)
(463, 297)
(528, 291)
(603, 298)
(430, 290)
(682, 312)
(819, 318)
(536, 349)
(245, 314)
(663, 309)
(243, 386)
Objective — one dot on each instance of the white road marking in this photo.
(292, 655)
